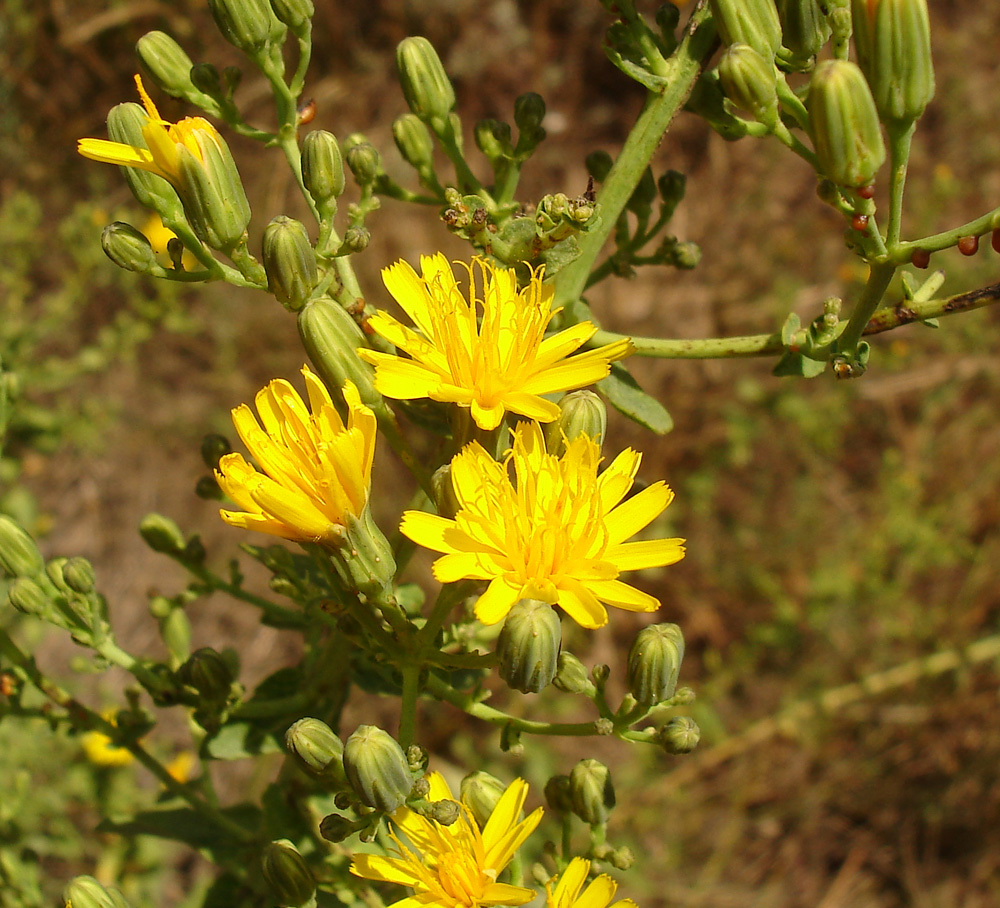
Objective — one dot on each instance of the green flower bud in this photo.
(175, 630)
(86, 892)
(480, 793)
(331, 338)
(287, 873)
(685, 255)
(357, 238)
(667, 18)
(426, 86)
(364, 162)
(443, 812)
(417, 759)
(376, 768)
(19, 556)
(335, 827)
(323, 169)
(753, 22)
(598, 164)
(205, 77)
(129, 249)
(413, 139)
(294, 13)
(845, 125)
(654, 662)
(571, 675)
(804, 28)
(78, 574)
(591, 791)
(671, 186)
(28, 597)
(125, 122)
(445, 499)
(161, 534)
(528, 646)
(493, 140)
(365, 561)
(680, 735)
(641, 200)
(213, 447)
(54, 571)
(558, 794)
(208, 673)
(167, 63)
(750, 82)
(316, 748)
(289, 262)
(580, 413)
(893, 41)
(249, 25)
(529, 112)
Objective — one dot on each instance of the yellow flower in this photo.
(164, 140)
(455, 866)
(597, 895)
(97, 746)
(488, 352)
(557, 533)
(159, 234)
(314, 469)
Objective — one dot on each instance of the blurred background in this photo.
(836, 530)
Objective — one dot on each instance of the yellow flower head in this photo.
(314, 469)
(164, 141)
(97, 746)
(598, 894)
(455, 866)
(485, 349)
(556, 532)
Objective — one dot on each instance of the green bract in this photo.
(377, 769)
(426, 86)
(528, 646)
(753, 22)
(750, 82)
(289, 262)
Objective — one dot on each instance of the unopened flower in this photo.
(483, 348)
(566, 892)
(556, 532)
(455, 866)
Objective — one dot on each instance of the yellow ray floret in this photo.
(313, 468)
(484, 347)
(556, 531)
(566, 893)
(455, 866)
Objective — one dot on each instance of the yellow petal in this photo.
(623, 596)
(638, 512)
(647, 553)
(498, 600)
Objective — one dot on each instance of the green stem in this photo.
(938, 241)
(408, 704)
(274, 614)
(878, 281)
(899, 156)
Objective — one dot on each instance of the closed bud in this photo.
(528, 646)
(287, 873)
(413, 139)
(641, 200)
(598, 164)
(316, 748)
(445, 499)
(443, 812)
(804, 28)
(166, 62)
(671, 186)
(129, 249)
(893, 41)
(845, 124)
(28, 597)
(591, 791)
(376, 768)
(213, 447)
(529, 112)
(417, 759)
(289, 262)
(161, 534)
(78, 575)
(208, 673)
(571, 675)
(335, 827)
(667, 19)
(86, 892)
(323, 168)
(685, 255)
(621, 858)
(205, 77)
(753, 22)
(357, 238)
(680, 735)
(480, 793)
(249, 25)
(125, 123)
(426, 86)
(750, 82)
(580, 413)
(558, 794)
(294, 13)
(365, 561)
(364, 162)
(654, 662)
(19, 556)
(493, 140)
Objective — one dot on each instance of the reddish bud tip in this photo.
(860, 222)
(307, 112)
(866, 192)
(921, 258)
(968, 245)
(996, 240)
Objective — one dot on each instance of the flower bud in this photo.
(86, 892)
(598, 164)
(750, 82)
(528, 646)
(323, 169)
(804, 28)
(364, 162)
(680, 735)
(213, 447)
(558, 795)
(591, 791)
(130, 249)
(480, 793)
(529, 113)
(205, 77)
(19, 556)
(413, 139)
(78, 574)
(335, 827)
(167, 63)
(208, 673)
(893, 41)
(445, 499)
(493, 140)
(161, 534)
(641, 200)
(287, 873)
(443, 812)
(249, 25)
(571, 675)
(845, 125)
(294, 13)
(654, 662)
(753, 22)
(426, 86)
(125, 122)
(365, 560)
(28, 597)
(289, 262)
(376, 768)
(580, 413)
(316, 748)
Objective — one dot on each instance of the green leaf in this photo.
(242, 740)
(796, 365)
(184, 824)
(625, 395)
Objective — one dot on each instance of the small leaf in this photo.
(625, 395)
(183, 824)
(795, 365)
(242, 740)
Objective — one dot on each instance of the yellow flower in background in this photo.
(455, 866)
(314, 468)
(484, 348)
(556, 532)
(598, 894)
(97, 746)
